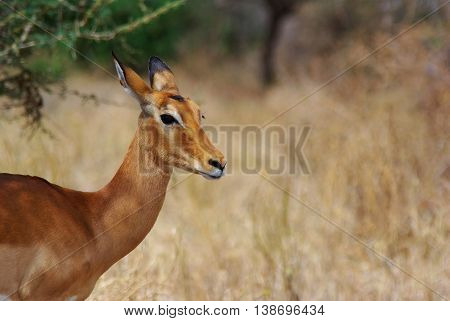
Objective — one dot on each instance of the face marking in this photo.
(172, 120)
(172, 111)
(197, 166)
(149, 109)
(72, 298)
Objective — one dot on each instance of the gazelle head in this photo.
(171, 122)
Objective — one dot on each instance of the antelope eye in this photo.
(168, 119)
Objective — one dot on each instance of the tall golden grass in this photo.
(379, 157)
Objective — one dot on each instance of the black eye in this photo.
(177, 97)
(168, 119)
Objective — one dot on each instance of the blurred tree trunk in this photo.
(278, 10)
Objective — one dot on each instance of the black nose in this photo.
(217, 164)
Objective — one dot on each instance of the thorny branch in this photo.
(21, 35)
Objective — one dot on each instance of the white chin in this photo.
(215, 174)
(210, 176)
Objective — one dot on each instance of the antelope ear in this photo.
(131, 81)
(160, 76)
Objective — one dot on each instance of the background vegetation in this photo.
(378, 150)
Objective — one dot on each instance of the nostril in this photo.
(216, 164)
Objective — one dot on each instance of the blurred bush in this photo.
(37, 36)
(37, 39)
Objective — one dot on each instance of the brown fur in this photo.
(55, 242)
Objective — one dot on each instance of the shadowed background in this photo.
(378, 150)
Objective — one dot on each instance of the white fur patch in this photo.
(4, 297)
(120, 72)
(72, 298)
(171, 110)
(123, 80)
(149, 109)
(197, 166)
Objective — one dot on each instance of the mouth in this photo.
(208, 176)
(213, 176)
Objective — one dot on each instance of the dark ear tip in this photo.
(156, 64)
(154, 59)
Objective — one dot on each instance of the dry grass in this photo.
(380, 169)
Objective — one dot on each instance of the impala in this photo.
(55, 243)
